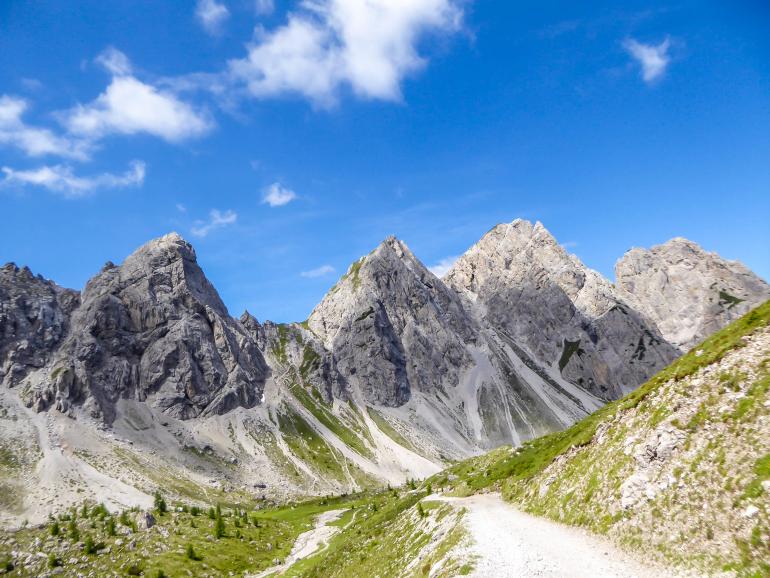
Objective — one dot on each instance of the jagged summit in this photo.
(686, 291)
(393, 324)
(153, 328)
(567, 316)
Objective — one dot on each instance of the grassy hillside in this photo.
(680, 468)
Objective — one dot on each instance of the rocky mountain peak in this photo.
(154, 328)
(389, 322)
(687, 291)
(568, 316)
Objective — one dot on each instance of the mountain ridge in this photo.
(394, 373)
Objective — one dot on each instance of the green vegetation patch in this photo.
(326, 417)
(730, 300)
(384, 426)
(570, 349)
(185, 541)
(382, 538)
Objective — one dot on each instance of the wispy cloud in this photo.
(211, 15)
(653, 58)
(329, 44)
(262, 7)
(62, 179)
(277, 195)
(181, 208)
(130, 106)
(217, 220)
(443, 266)
(114, 61)
(321, 271)
(35, 141)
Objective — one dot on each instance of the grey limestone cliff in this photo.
(688, 292)
(154, 329)
(567, 316)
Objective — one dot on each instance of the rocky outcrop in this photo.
(687, 292)
(296, 347)
(154, 329)
(34, 316)
(568, 317)
(394, 327)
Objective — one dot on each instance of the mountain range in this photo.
(143, 379)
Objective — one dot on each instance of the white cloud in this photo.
(61, 179)
(129, 106)
(264, 6)
(443, 266)
(368, 46)
(653, 59)
(217, 220)
(321, 271)
(34, 141)
(277, 195)
(211, 15)
(115, 62)
(181, 208)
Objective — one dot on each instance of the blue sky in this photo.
(286, 139)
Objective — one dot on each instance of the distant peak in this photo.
(170, 243)
(681, 241)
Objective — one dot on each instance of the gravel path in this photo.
(308, 543)
(510, 543)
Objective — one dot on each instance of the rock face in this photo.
(154, 329)
(566, 316)
(688, 292)
(34, 316)
(402, 338)
(295, 346)
(394, 327)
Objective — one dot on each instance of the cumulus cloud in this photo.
(329, 44)
(130, 106)
(277, 195)
(34, 141)
(217, 220)
(62, 179)
(443, 266)
(211, 15)
(653, 58)
(321, 271)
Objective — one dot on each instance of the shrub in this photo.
(191, 553)
(134, 569)
(73, 531)
(219, 527)
(89, 547)
(54, 529)
(160, 503)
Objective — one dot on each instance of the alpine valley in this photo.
(142, 390)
